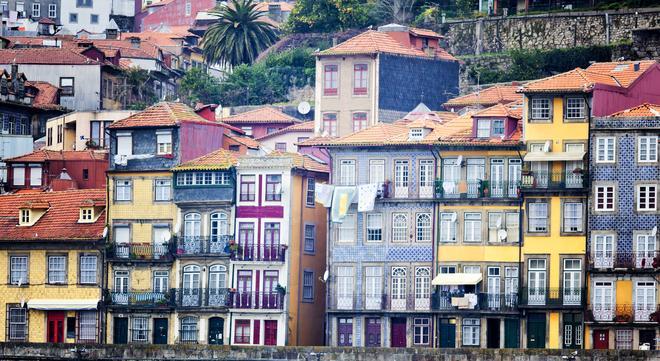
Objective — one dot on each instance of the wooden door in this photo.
(216, 331)
(536, 330)
(55, 321)
(160, 331)
(372, 332)
(244, 297)
(511, 333)
(398, 332)
(493, 333)
(120, 330)
(601, 339)
(270, 333)
(447, 331)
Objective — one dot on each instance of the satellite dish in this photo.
(22, 302)
(654, 231)
(546, 146)
(326, 274)
(501, 234)
(453, 217)
(105, 231)
(459, 160)
(304, 108)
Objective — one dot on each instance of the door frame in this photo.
(58, 317)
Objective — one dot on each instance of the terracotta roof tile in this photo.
(69, 155)
(623, 72)
(47, 97)
(59, 222)
(300, 127)
(511, 110)
(315, 141)
(216, 160)
(161, 115)
(645, 110)
(424, 32)
(261, 115)
(302, 161)
(246, 141)
(486, 97)
(59, 56)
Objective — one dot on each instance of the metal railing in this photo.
(452, 301)
(545, 180)
(140, 251)
(256, 300)
(378, 302)
(473, 189)
(146, 299)
(258, 252)
(623, 313)
(196, 246)
(188, 336)
(637, 260)
(202, 297)
(554, 297)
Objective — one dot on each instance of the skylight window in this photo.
(416, 133)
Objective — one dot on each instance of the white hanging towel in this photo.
(341, 202)
(323, 194)
(366, 197)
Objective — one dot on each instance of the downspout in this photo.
(300, 257)
(436, 212)
(326, 340)
(587, 232)
(521, 236)
(105, 277)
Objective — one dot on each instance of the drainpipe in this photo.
(521, 236)
(301, 237)
(436, 211)
(104, 273)
(326, 339)
(586, 207)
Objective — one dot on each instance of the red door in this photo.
(398, 332)
(270, 333)
(601, 339)
(55, 320)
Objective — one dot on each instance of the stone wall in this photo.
(547, 31)
(468, 75)
(27, 352)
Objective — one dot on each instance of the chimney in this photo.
(14, 71)
(135, 42)
(636, 66)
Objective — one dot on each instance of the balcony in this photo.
(380, 302)
(202, 297)
(623, 313)
(203, 246)
(140, 299)
(543, 181)
(258, 252)
(140, 252)
(476, 189)
(552, 297)
(253, 300)
(468, 302)
(639, 261)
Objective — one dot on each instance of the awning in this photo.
(456, 279)
(63, 305)
(553, 156)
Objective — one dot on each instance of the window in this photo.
(247, 130)
(52, 11)
(374, 227)
(18, 325)
(538, 217)
(84, 3)
(330, 79)
(189, 329)
(71, 327)
(422, 284)
(424, 227)
(575, 108)
(94, 19)
(73, 18)
(49, 136)
(60, 134)
(472, 227)
(280, 147)
(330, 124)
(85, 174)
(56, 269)
(311, 191)
(359, 121)
(399, 227)
(273, 187)
(573, 217)
(416, 134)
(512, 227)
(347, 172)
(87, 326)
(308, 286)
(647, 197)
(471, 331)
(540, 109)
(124, 143)
(242, 332)
(36, 10)
(421, 331)
(19, 175)
(123, 189)
(25, 216)
(647, 149)
(377, 171)
(346, 229)
(163, 190)
(483, 128)
(310, 238)
(360, 79)
(88, 269)
(498, 128)
(202, 178)
(18, 270)
(164, 141)
(605, 149)
(624, 339)
(188, 8)
(448, 227)
(140, 329)
(604, 201)
(248, 188)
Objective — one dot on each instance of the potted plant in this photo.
(655, 316)
(91, 144)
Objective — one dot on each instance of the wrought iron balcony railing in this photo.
(451, 301)
(554, 181)
(553, 297)
(203, 246)
(474, 189)
(256, 300)
(379, 302)
(142, 299)
(637, 260)
(202, 297)
(621, 313)
(140, 251)
(258, 252)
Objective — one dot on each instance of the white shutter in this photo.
(161, 235)
(124, 144)
(122, 234)
(35, 176)
(19, 176)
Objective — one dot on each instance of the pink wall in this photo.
(646, 89)
(198, 139)
(319, 153)
(173, 14)
(261, 129)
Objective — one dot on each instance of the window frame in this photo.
(651, 197)
(606, 159)
(128, 185)
(63, 88)
(63, 272)
(360, 77)
(604, 198)
(81, 277)
(370, 231)
(564, 217)
(531, 205)
(479, 229)
(424, 230)
(308, 285)
(468, 330)
(362, 122)
(310, 192)
(421, 325)
(13, 282)
(650, 139)
(331, 83)
(25, 322)
(162, 186)
(535, 118)
(309, 240)
(273, 191)
(329, 123)
(250, 188)
(164, 142)
(568, 108)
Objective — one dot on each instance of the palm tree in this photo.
(239, 35)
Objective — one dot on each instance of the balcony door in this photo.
(217, 286)
(219, 229)
(345, 288)
(426, 181)
(270, 298)
(191, 295)
(644, 300)
(603, 251)
(161, 240)
(271, 242)
(511, 286)
(451, 175)
(645, 251)
(476, 172)
(120, 288)
(398, 289)
(401, 178)
(573, 178)
(572, 290)
(422, 288)
(244, 290)
(192, 231)
(494, 289)
(245, 250)
(537, 282)
(373, 287)
(497, 178)
(161, 283)
(603, 301)
(514, 178)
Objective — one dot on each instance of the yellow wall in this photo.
(142, 206)
(557, 130)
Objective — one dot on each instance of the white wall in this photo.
(290, 138)
(102, 8)
(13, 146)
(123, 7)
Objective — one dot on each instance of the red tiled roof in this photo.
(47, 97)
(161, 115)
(216, 160)
(424, 32)
(486, 97)
(46, 56)
(59, 222)
(47, 21)
(302, 161)
(307, 127)
(266, 115)
(511, 110)
(246, 141)
(68, 155)
(623, 72)
(645, 110)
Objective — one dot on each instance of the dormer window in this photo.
(487, 128)
(24, 217)
(416, 133)
(86, 215)
(498, 127)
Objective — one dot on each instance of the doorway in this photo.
(536, 330)
(601, 339)
(160, 331)
(373, 332)
(493, 333)
(398, 332)
(120, 330)
(55, 320)
(572, 330)
(447, 331)
(647, 336)
(216, 331)
(270, 333)
(511, 333)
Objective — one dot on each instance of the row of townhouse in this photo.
(513, 226)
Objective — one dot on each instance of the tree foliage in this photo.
(239, 35)
(138, 90)
(197, 86)
(325, 16)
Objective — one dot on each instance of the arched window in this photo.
(219, 226)
(192, 225)
(399, 227)
(422, 283)
(423, 227)
(217, 285)
(398, 287)
(191, 285)
(188, 330)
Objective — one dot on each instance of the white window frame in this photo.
(534, 215)
(650, 145)
(164, 142)
(124, 143)
(606, 150)
(472, 221)
(162, 190)
(423, 232)
(19, 270)
(126, 193)
(374, 224)
(421, 330)
(140, 329)
(87, 324)
(601, 197)
(52, 11)
(36, 10)
(18, 324)
(536, 112)
(483, 128)
(646, 196)
(347, 175)
(471, 329)
(57, 269)
(448, 227)
(580, 108)
(346, 230)
(377, 171)
(569, 219)
(399, 227)
(88, 269)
